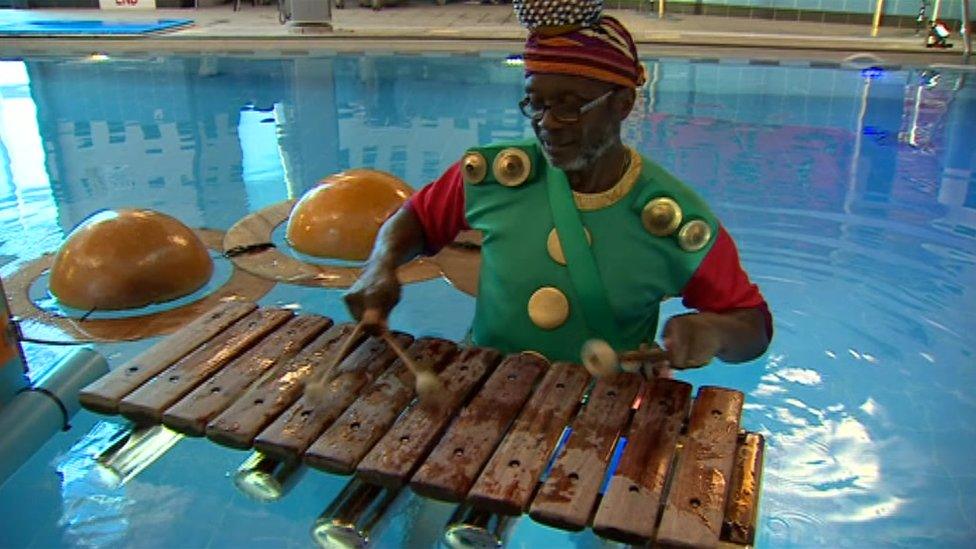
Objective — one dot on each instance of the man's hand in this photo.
(378, 289)
(692, 340)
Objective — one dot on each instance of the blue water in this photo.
(17, 25)
(851, 195)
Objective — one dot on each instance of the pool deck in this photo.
(473, 27)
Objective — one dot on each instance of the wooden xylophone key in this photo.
(103, 395)
(454, 464)
(629, 510)
(278, 389)
(743, 506)
(508, 480)
(567, 497)
(315, 384)
(343, 445)
(294, 431)
(147, 403)
(395, 457)
(192, 413)
(228, 354)
(696, 501)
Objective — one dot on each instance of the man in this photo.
(920, 19)
(582, 236)
(938, 36)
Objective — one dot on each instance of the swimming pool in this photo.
(851, 194)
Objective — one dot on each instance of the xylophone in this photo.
(516, 435)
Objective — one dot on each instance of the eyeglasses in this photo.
(562, 113)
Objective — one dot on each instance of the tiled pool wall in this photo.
(896, 13)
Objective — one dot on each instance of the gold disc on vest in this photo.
(556, 248)
(512, 167)
(661, 216)
(694, 235)
(548, 308)
(474, 167)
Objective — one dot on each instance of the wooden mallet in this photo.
(315, 388)
(601, 360)
(430, 389)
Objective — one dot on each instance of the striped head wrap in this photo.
(603, 50)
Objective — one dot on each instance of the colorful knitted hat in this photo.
(536, 14)
(571, 37)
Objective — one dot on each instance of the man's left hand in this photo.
(691, 340)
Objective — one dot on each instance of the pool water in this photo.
(850, 193)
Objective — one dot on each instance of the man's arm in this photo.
(400, 239)
(733, 322)
(428, 221)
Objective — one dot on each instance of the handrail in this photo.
(967, 38)
(876, 22)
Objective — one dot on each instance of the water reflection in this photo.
(826, 464)
(164, 128)
(171, 126)
(93, 513)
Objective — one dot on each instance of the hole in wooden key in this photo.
(405, 438)
(306, 413)
(174, 378)
(560, 385)
(215, 390)
(514, 463)
(717, 413)
(611, 394)
(463, 368)
(134, 369)
(634, 488)
(458, 452)
(573, 477)
(354, 426)
(259, 401)
(512, 377)
(695, 503)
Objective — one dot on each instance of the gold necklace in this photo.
(603, 199)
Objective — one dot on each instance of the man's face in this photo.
(573, 146)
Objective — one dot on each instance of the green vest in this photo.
(637, 268)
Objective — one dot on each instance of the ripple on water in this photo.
(28, 225)
(791, 528)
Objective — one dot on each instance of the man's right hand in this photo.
(378, 289)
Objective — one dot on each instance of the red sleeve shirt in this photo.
(719, 284)
(440, 208)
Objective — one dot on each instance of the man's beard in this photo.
(587, 157)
